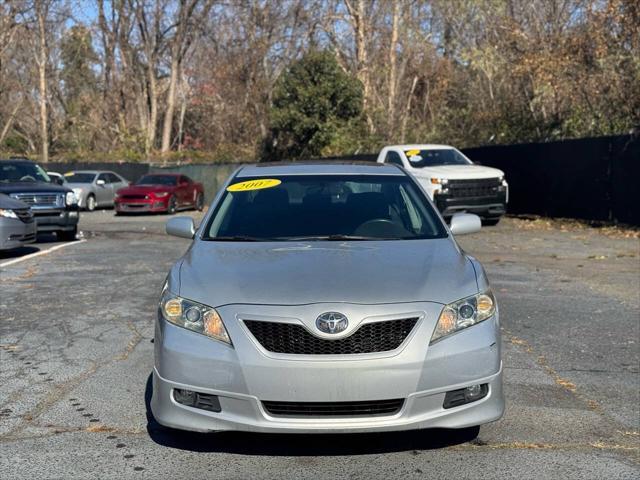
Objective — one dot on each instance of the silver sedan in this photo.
(326, 298)
(94, 188)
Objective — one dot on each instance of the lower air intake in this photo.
(371, 408)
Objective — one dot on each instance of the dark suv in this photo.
(54, 207)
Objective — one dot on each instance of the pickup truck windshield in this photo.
(14, 172)
(323, 207)
(435, 158)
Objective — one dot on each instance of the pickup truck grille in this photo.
(40, 200)
(482, 187)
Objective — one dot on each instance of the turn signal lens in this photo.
(193, 316)
(464, 313)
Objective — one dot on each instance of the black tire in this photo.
(490, 222)
(68, 235)
(199, 202)
(171, 206)
(91, 203)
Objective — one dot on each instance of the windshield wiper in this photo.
(332, 238)
(236, 238)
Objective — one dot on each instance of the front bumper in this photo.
(142, 205)
(57, 220)
(491, 206)
(15, 233)
(245, 375)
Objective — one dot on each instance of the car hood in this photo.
(144, 189)
(31, 187)
(11, 203)
(458, 172)
(296, 273)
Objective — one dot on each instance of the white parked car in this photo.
(454, 183)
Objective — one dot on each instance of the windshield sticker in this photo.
(258, 184)
(412, 153)
(68, 174)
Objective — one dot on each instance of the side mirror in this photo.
(181, 227)
(100, 183)
(463, 223)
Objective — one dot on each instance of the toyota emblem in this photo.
(332, 322)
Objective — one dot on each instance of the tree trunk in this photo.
(171, 103)
(391, 103)
(42, 74)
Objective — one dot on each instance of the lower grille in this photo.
(481, 187)
(295, 339)
(334, 409)
(134, 197)
(24, 214)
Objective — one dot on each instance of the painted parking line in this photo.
(41, 252)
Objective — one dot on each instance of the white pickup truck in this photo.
(454, 183)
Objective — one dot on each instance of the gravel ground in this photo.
(75, 345)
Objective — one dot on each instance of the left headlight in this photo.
(193, 316)
(71, 198)
(464, 313)
(6, 213)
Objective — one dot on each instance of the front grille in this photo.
(481, 187)
(371, 408)
(24, 214)
(295, 339)
(134, 197)
(40, 200)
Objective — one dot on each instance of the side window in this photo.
(394, 158)
(105, 177)
(186, 179)
(113, 178)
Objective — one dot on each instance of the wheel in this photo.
(171, 207)
(91, 203)
(490, 222)
(68, 235)
(200, 202)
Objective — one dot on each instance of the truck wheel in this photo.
(490, 222)
(91, 203)
(68, 236)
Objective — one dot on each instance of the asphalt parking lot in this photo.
(76, 326)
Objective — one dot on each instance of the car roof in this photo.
(318, 168)
(421, 146)
(164, 174)
(94, 172)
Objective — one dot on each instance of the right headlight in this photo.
(464, 313)
(193, 316)
(6, 213)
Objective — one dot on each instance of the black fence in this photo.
(590, 178)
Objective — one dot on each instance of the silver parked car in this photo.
(95, 188)
(326, 298)
(17, 226)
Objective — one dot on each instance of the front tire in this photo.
(91, 203)
(490, 222)
(200, 202)
(68, 235)
(171, 206)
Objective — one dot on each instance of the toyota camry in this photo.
(326, 298)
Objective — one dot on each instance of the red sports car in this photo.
(160, 192)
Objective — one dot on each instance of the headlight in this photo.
(439, 181)
(464, 313)
(6, 213)
(71, 199)
(160, 194)
(193, 316)
(78, 192)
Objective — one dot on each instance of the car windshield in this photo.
(158, 180)
(11, 172)
(323, 207)
(79, 177)
(436, 157)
